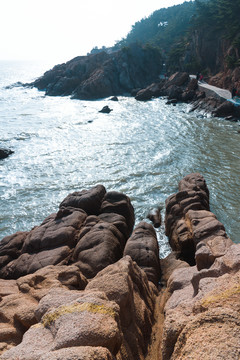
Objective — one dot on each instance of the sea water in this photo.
(141, 149)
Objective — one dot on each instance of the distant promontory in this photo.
(103, 74)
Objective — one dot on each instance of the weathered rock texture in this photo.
(19, 299)
(202, 315)
(143, 248)
(111, 319)
(90, 229)
(192, 229)
(84, 285)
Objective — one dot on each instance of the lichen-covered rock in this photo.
(19, 299)
(112, 318)
(143, 248)
(202, 316)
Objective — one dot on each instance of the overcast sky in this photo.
(61, 29)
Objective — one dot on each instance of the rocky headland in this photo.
(134, 70)
(103, 74)
(88, 284)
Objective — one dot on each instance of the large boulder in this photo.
(225, 109)
(153, 90)
(116, 202)
(101, 246)
(143, 248)
(4, 153)
(88, 200)
(178, 79)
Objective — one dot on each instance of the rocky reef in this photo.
(87, 284)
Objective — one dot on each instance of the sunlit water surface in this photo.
(141, 148)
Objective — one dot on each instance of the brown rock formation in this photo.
(19, 299)
(56, 313)
(90, 229)
(202, 315)
(190, 225)
(143, 248)
(112, 317)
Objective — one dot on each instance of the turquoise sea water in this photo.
(142, 149)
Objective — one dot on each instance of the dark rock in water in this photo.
(172, 102)
(144, 95)
(17, 84)
(155, 217)
(4, 153)
(153, 90)
(105, 110)
(225, 109)
(135, 91)
(231, 118)
(114, 98)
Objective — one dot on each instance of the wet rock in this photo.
(143, 248)
(155, 217)
(225, 109)
(144, 95)
(172, 102)
(153, 90)
(4, 153)
(105, 110)
(114, 98)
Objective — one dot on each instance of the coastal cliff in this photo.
(103, 74)
(87, 284)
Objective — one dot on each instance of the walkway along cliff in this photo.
(86, 284)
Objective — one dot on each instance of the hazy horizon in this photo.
(58, 30)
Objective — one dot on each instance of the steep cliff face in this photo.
(209, 48)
